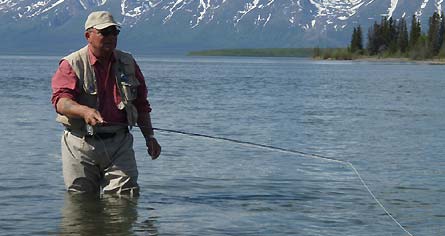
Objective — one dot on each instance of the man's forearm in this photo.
(153, 147)
(70, 108)
(144, 123)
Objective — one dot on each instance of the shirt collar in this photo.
(94, 60)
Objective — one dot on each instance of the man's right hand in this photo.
(92, 116)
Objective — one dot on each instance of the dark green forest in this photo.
(391, 38)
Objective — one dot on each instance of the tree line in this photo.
(391, 38)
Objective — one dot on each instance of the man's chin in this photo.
(109, 48)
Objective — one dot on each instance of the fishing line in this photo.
(289, 151)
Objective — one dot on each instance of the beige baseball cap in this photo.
(100, 20)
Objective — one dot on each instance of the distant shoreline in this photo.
(256, 52)
(390, 59)
(303, 53)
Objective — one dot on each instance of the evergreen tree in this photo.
(392, 37)
(373, 39)
(415, 32)
(353, 46)
(441, 30)
(385, 34)
(433, 34)
(356, 41)
(360, 39)
(402, 38)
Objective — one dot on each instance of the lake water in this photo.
(388, 119)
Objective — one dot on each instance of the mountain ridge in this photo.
(147, 25)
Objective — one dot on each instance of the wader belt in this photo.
(101, 132)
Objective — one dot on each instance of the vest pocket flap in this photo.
(126, 77)
(129, 80)
(129, 88)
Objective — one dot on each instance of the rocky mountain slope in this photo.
(181, 25)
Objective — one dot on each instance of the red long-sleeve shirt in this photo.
(64, 85)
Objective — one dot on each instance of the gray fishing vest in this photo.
(124, 71)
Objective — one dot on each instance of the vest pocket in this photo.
(129, 90)
(129, 84)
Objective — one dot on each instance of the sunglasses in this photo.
(109, 31)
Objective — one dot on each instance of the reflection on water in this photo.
(101, 215)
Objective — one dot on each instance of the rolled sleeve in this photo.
(64, 84)
(141, 102)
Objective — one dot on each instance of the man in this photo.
(98, 91)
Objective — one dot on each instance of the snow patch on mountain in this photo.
(248, 7)
(418, 13)
(334, 13)
(439, 5)
(43, 10)
(136, 9)
(86, 3)
(262, 21)
(392, 8)
(306, 14)
(173, 9)
(339, 9)
(204, 6)
(31, 9)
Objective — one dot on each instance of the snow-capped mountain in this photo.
(195, 24)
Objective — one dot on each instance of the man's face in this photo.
(104, 40)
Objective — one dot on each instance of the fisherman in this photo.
(99, 93)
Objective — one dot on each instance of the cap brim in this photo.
(105, 25)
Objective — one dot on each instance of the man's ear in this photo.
(87, 34)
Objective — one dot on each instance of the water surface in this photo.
(385, 118)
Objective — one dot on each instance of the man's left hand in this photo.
(153, 148)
